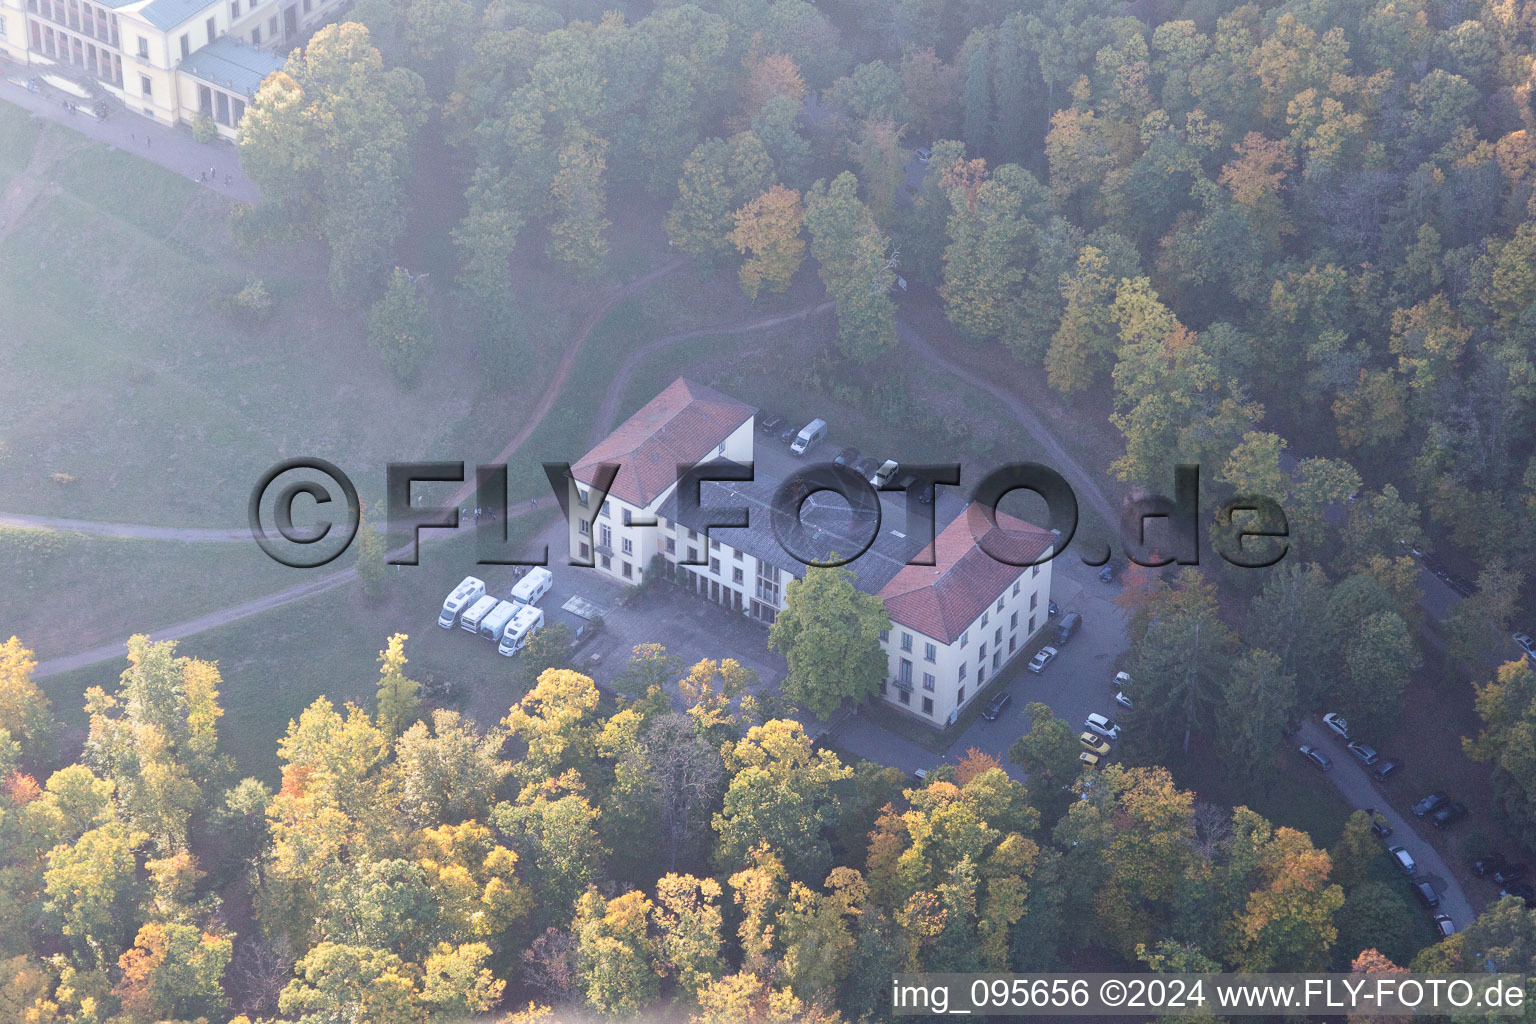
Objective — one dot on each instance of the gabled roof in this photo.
(942, 600)
(684, 425)
(233, 64)
(167, 14)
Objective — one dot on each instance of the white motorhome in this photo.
(476, 613)
(464, 595)
(533, 586)
(492, 625)
(809, 434)
(527, 621)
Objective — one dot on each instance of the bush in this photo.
(400, 328)
(204, 130)
(253, 301)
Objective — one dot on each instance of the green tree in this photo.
(617, 954)
(1179, 664)
(91, 890)
(853, 255)
(1507, 740)
(25, 714)
(577, 234)
(370, 560)
(688, 923)
(400, 329)
(769, 229)
(1048, 754)
(1257, 701)
(173, 971)
(829, 633)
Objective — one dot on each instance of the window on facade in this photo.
(693, 555)
(738, 576)
(256, 36)
(929, 682)
(144, 54)
(1015, 588)
(981, 654)
(714, 545)
(624, 568)
(581, 497)
(1034, 600)
(308, 6)
(999, 604)
(626, 517)
(272, 24)
(212, 29)
(927, 705)
(965, 638)
(997, 636)
(962, 675)
(1013, 642)
(186, 47)
(607, 562)
(671, 546)
(628, 546)
(605, 510)
(583, 527)
(146, 85)
(1013, 621)
(605, 537)
(906, 671)
(981, 674)
(1031, 625)
(1034, 571)
(714, 566)
(586, 552)
(905, 696)
(930, 652)
(234, 9)
(906, 641)
(885, 635)
(737, 556)
(984, 617)
(997, 657)
(960, 697)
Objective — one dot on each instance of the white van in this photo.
(883, 475)
(476, 613)
(809, 434)
(464, 595)
(533, 586)
(527, 621)
(492, 625)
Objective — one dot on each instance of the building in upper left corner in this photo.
(170, 60)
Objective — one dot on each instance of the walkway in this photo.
(171, 148)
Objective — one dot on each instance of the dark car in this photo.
(1070, 623)
(1489, 864)
(1387, 770)
(1430, 804)
(1506, 873)
(1449, 815)
(1460, 584)
(1380, 826)
(1052, 610)
(771, 425)
(1426, 893)
(997, 706)
(866, 467)
(1319, 760)
(847, 457)
(1520, 889)
(1364, 752)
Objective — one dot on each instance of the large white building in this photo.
(172, 60)
(954, 623)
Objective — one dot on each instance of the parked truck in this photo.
(533, 586)
(492, 625)
(527, 621)
(476, 613)
(465, 594)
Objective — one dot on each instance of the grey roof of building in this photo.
(827, 527)
(232, 64)
(167, 14)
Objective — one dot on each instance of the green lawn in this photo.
(18, 134)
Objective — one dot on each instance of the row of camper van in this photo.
(510, 623)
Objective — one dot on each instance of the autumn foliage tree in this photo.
(768, 231)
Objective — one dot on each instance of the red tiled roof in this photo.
(683, 425)
(942, 600)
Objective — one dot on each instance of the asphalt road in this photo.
(1354, 783)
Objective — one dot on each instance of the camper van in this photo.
(533, 586)
(809, 434)
(476, 613)
(464, 595)
(524, 623)
(492, 625)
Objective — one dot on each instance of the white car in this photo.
(1404, 860)
(1043, 657)
(1526, 644)
(1123, 700)
(1335, 721)
(1103, 726)
(1121, 682)
(1445, 926)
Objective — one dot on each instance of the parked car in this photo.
(1489, 864)
(882, 475)
(1449, 815)
(1043, 657)
(1426, 893)
(1052, 609)
(1089, 760)
(1404, 860)
(1444, 926)
(1336, 722)
(1520, 889)
(1364, 752)
(1506, 873)
(923, 154)
(846, 457)
(921, 775)
(1460, 584)
(1319, 759)
(1526, 644)
(906, 482)
(771, 424)
(997, 706)
(1094, 743)
(1386, 770)
(1430, 804)
(865, 467)
(1121, 682)
(1070, 623)
(1107, 574)
(1380, 825)
(1124, 700)
(1103, 726)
